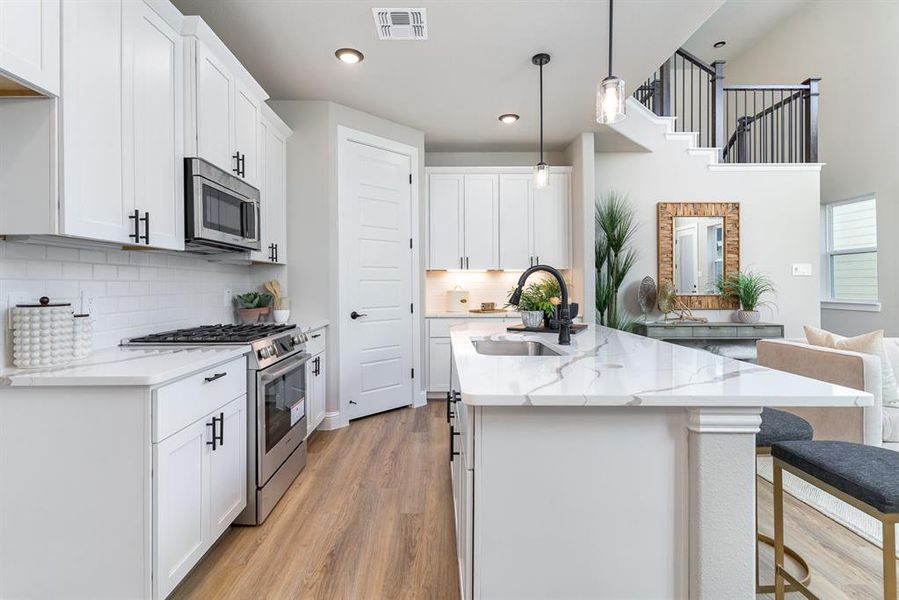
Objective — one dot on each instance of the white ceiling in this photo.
(475, 65)
(740, 23)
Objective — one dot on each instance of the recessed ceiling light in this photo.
(720, 44)
(350, 56)
(508, 118)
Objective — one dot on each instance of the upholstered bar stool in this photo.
(867, 477)
(778, 426)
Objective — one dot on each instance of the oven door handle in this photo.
(293, 364)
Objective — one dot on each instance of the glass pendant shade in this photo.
(541, 175)
(610, 100)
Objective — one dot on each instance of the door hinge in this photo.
(413, 373)
(410, 178)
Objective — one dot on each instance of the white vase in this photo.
(532, 318)
(280, 315)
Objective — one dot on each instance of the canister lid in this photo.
(44, 303)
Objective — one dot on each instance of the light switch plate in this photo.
(802, 270)
(87, 303)
(227, 297)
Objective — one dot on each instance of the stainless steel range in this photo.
(276, 403)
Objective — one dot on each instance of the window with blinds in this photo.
(852, 249)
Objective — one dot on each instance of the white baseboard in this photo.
(333, 420)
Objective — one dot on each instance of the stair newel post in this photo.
(665, 88)
(811, 120)
(718, 139)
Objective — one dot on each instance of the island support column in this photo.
(722, 470)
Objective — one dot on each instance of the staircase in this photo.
(743, 123)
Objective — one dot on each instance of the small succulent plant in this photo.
(254, 300)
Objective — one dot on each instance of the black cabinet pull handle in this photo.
(277, 257)
(221, 429)
(355, 315)
(315, 335)
(466, 262)
(136, 218)
(236, 157)
(452, 445)
(214, 438)
(243, 165)
(146, 221)
(448, 400)
(214, 377)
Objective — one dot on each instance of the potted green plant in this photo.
(253, 306)
(747, 288)
(530, 305)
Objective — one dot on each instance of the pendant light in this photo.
(541, 169)
(610, 91)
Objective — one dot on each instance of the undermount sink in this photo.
(513, 348)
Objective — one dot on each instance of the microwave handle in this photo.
(256, 210)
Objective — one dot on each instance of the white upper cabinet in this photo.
(29, 43)
(445, 193)
(154, 125)
(224, 115)
(481, 216)
(496, 219)
(272, 165)
(551, 222)
(215, 111)
(94, 201)
(515, 198)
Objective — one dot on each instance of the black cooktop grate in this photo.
(213, 334)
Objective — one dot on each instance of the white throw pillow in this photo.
(868, 343)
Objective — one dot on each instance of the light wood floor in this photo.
(371, 517)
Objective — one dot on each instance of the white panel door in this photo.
(480, 217)
(215, 111)
(439, 352)
(94, 202)
(228, 467)
(180, 505)
(154, 124)
(29, 42)
(515, 231)
(376, 279)
(445, 245)
(551, 223)
(246, 140)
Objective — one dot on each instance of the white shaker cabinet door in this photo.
(94, 202)
(445, 194)
(481, 216)
(215, 111)
(439, 351)
(551, 223)
(29, 42)
(246, 140)
(154, 125)
(228, 467)
(317, 392)
(265, 253)
(515, 231)
(180, 505)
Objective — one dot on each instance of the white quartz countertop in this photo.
(606, 367)
(126, 366)
(470, 315)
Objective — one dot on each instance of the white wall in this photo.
(312, 214)
(779, 219)
(854, 48)
(135, 293)
(493, 159)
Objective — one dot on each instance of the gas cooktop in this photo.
(214, 334)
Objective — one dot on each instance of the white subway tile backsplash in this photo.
(134, 293)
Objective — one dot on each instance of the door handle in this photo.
(354, 315)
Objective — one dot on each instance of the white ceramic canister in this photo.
(42, 334)
(82, 336)
(457, 300)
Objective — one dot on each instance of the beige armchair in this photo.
(874, 425)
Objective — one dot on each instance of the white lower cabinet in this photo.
(440, 352)
(200, 486)
(316, 380)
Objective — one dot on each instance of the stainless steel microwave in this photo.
(221, 210)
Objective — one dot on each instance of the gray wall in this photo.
(854, 48)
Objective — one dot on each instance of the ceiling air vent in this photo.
(401, 23)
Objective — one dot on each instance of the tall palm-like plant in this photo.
(615, 228)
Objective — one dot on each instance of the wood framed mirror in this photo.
(698, 242)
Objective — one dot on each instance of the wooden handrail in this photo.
(698, 62)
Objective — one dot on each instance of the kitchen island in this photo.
(616, 467)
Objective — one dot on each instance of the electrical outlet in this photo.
(227, 297)
(802, 270)
(87, 303)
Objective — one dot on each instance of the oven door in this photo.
(281, 414)
(224, 216)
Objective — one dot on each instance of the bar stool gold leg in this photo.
(778, 532)
(889, 560)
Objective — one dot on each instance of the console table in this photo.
(736, 340)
